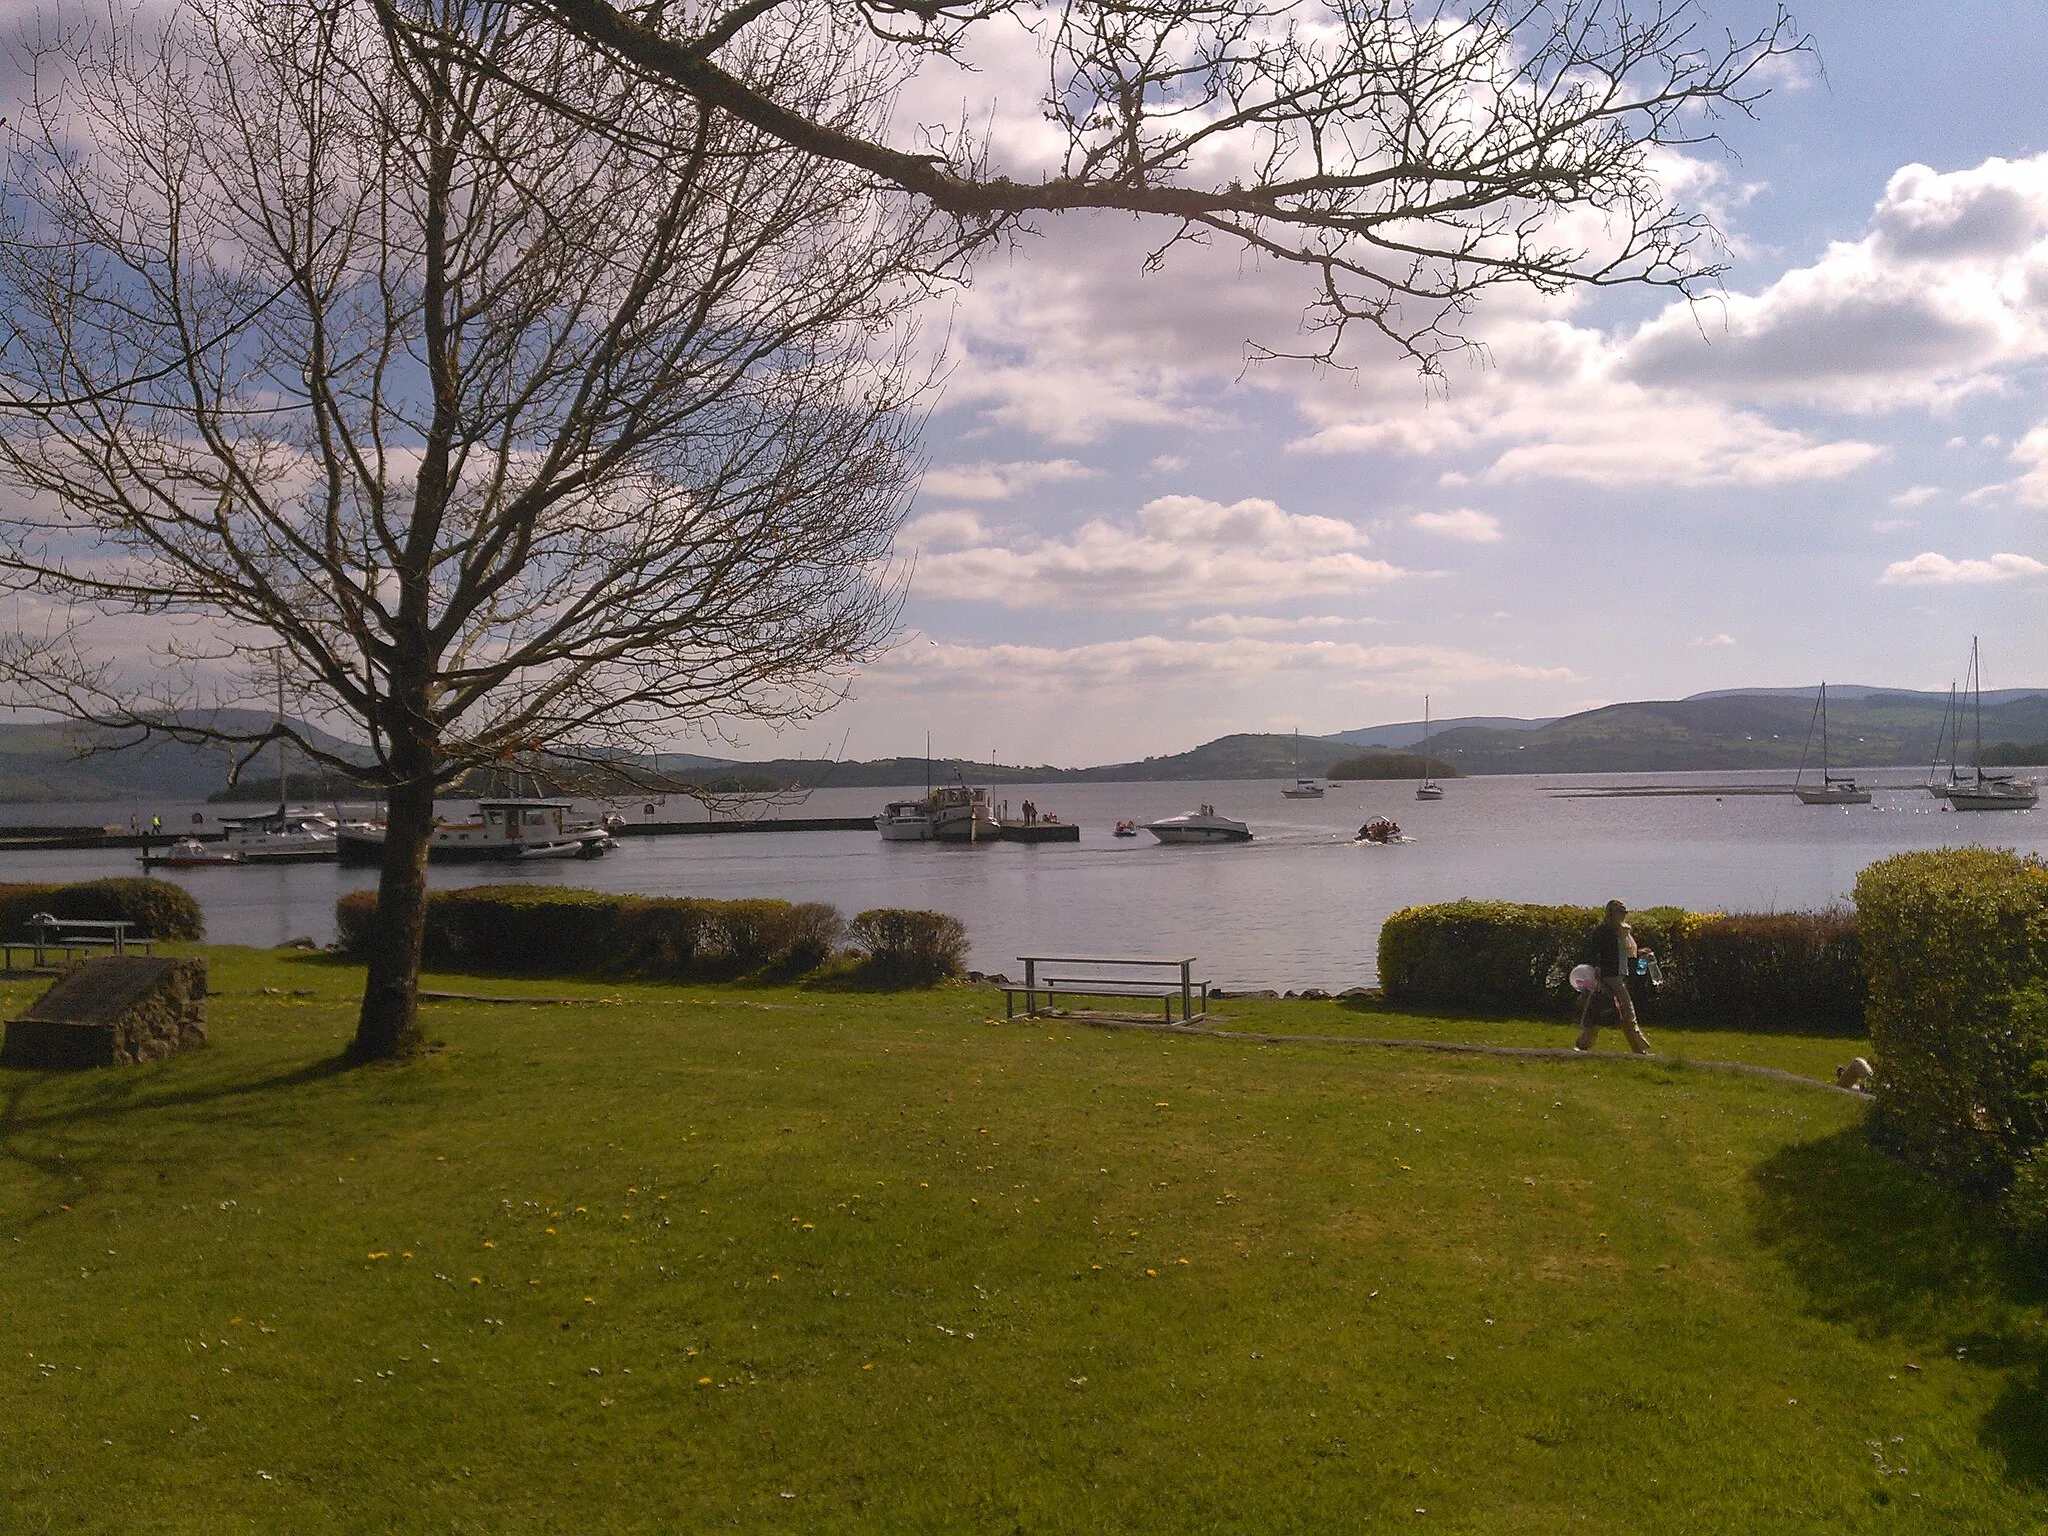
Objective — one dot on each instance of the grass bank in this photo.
(712, 1256)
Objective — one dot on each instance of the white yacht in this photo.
(905, 821)
(1428, 789)
(1982, 791)
(281, 836)
(1203, 826)
(1833, 789)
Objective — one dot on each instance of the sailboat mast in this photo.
(1977, 695)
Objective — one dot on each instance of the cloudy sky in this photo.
(1130, 541)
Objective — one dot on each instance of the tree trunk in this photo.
(388, 1027)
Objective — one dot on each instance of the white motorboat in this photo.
(500, 830)
(1833, 789)
(1982, 791)
(905, 821)
(281, 836)
(961, 814)
(1202, 826)
(190, 853)
(1428, 789)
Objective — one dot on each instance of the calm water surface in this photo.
(1299, 906)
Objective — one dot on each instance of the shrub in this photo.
(1762, 969)
(2025, 1206)
(1955, 950)
(1498, 954)
(550, 930)
(905, 945)
(1795, 969)
(158, 908)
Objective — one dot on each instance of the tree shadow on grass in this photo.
(1886, 1251)
(45, 1116)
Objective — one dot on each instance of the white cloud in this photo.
(1465, 525)
(1168, 464)
(1935, 570)
(2031, 488)
(1712, 640)
(999, 482)
(1251, 624)
(1893, 525)
(1554, 406)
(1180, 551)
(942, 530)
(1947, 289)
(1147, 660)
(1915, 496)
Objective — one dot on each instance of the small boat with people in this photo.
(1125, 829)
(498, 831)
(1380, 829)
(1201, 826)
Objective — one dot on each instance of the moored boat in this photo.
(1982, 791)
(905, 821)
(1833, 789)
(1202, 826)
(501, 830)
(190, 853)
(281, 837)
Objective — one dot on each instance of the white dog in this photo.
(1858, 1074)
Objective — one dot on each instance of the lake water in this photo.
(1299, 906)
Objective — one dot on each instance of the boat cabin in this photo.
(511, 821)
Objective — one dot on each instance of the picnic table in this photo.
(1155, 979)
(71, 937)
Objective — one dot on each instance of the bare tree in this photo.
(492, 428)
(1409, 153)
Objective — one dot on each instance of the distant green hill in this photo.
(1739, 731)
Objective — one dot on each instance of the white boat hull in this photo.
(1989, 796)
(1203, 826)
(1428, 792)
(1833, 794)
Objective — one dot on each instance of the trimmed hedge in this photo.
(1788, 970)
(910, 946)
(1955, 944)
(160, 909)
(548, 930)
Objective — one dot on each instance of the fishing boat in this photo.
(1833, 789)
(1983, 791)
(1202, 826)
(1428, 789)
(498, 831)
(1304, 789)
(961, 814)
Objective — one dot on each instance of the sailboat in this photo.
(1983, 791)
(283, 836)
(1428, 789)
(1832, 789)
(1304, 789)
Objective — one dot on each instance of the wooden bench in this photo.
(1105, 976)
(74, 938)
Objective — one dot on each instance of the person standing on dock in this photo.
(1613, 946)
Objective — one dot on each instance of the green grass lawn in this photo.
(781, 1259)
